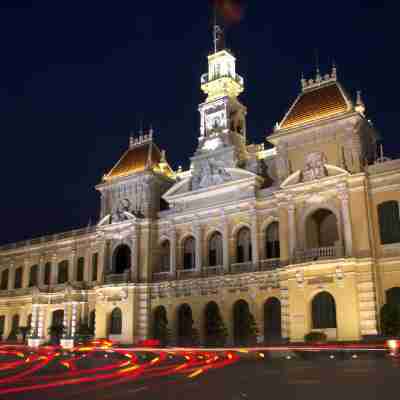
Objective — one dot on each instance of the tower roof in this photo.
(320, 99)
(143, 155)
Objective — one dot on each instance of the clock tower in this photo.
(222, 117)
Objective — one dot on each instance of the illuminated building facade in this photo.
(304, 233)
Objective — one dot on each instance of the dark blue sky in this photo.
(77, 77)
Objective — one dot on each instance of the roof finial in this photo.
(131, 140)
(303, 81)
(217, 32)
(318, 77)
(334, 70)
(163, 157)
(151, 131)
(360, 106)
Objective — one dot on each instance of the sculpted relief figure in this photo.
(314, 167)
(211, 173)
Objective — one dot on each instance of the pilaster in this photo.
(346, 220)
(254, 237)
(197, 232)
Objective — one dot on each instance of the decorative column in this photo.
(88, 264)
(11, 276)
(34, 322)
(134, 254)
(40, 324)
(199, 245)
(54, 267)
(41, 272)
(26, 273)
(225, 241)
(172, 255)
(65, 320)
(36, 335)
(254, 237)
(345, 211)
(292, 230)
(72, 267)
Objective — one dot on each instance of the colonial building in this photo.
(303, 233)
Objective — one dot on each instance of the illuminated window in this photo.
(243, 249)
(272, 248)
(215, 250)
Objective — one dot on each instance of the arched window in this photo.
(389, 222)
(243, 250)
(63, 272)
(80, 269)
(165, 256)
(57, 318)
(185, 325)
(215, 251)
(160, 325)
(4, 280)
(33, 276)
(189, 253)
(116, 322)
(322, 229)
(323, 311)
(122, 259)
(272, 320)
(47, 273)
(244, 325)
(18, 278)
(272, 247)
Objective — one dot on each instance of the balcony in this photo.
(319, 253)
(188, 273)
(242, 268)
(163, 276)
(270, 264)
(213, 271)
(206, 79)
(117, 278)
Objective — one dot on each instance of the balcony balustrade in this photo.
(270, 264)
(318, 253)
(205, 78)
(213, 271)
(117, 278)
(163, 276)
(241, 268)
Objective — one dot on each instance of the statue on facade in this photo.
(314, 167)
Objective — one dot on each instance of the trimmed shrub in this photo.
(315, 337)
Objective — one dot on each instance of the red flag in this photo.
(231, 10)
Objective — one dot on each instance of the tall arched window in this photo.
(322, 229)
(4, 280)
(389, 222)
(33, 276)
(57, 318)
(63, 272)
(323, 311)
(116, 322)
(189, 253)
(243, 250)
(215, 252)
(80, 269)
(272, 247)
(18, 278)
(47, 273)
(122, 259)
(165, 256)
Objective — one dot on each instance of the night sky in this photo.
(77, 77)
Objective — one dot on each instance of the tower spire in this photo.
(217, 32)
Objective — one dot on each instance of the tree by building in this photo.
(56, 332)
(23, 331)
(161, 331)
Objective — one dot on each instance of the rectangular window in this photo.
(80, 269)
(95, 262)
(18, 278)
(4, 280)
(47, 272)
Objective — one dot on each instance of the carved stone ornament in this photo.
(314, 167)
(211, 173)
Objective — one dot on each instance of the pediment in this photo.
(183, 189)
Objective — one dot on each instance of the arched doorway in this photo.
(321, 229)
(56, 330)
(215, 252)
(160, 325)
(272, 245)
(243, 246)
(122, 259)
(215, 332)
(272, 320)
(165, 256)
(185, 336)
(323, 311)
(116, 322)
(393, 296)
(189, 253)
(244, 325)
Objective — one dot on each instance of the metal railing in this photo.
(240, 268)
(117, 278)
(270, 264)
(213, 271)
(205, 78)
